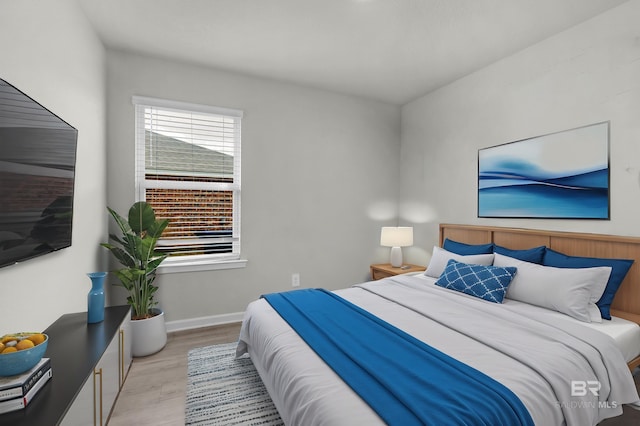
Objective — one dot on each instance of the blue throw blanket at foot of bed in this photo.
(405, 381)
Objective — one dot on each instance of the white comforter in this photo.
(534, 352)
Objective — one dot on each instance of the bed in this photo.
(550, 361)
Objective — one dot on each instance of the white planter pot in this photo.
(149, 335)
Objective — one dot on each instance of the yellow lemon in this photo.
(24, 344)
(1, 347)
(9, 350)
(8, 338)
(37, 338)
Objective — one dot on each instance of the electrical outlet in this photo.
(295, 280)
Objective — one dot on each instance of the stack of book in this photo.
(18, 391)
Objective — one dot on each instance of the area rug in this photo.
(223, 390)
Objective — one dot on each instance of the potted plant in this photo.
(136, 251)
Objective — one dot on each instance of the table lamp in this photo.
(396, 237)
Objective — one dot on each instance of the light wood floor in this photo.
(155, 390)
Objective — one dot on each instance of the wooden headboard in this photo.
(627, 301)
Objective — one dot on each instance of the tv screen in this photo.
(37, 172)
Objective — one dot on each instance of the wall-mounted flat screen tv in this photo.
(37, 173)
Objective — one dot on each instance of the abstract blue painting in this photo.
(563, 175)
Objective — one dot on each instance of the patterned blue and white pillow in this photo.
(486, 282)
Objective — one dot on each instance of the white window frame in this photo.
(201, 262)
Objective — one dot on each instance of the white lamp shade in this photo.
(401, 236)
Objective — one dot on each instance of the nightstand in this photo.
(384, 270)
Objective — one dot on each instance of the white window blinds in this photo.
(188, 169)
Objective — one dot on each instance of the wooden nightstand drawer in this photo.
(384, 270)
(378, 274)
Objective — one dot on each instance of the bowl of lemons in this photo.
(19, 352)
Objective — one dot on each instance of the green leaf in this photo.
(120, 221)
(154, 263)
(157, 228)
(116, 239)
(122, 256)
(141, 248)
(141, 217)
(126, 278)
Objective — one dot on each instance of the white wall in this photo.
(319, 179)
(320, 170)
(50, 52)
(587, 74)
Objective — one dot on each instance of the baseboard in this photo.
(193, 323)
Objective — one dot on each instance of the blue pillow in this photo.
(467, 249)
(533, 255)
(619, 269)
(486, 282)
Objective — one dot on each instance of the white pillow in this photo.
(571, 291)
(440, 257)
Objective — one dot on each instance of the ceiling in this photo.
(388, 50)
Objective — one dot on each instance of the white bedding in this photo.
(502, 341)
(626, 334)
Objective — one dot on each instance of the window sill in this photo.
(193, 265)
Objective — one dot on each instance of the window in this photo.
(188, 169)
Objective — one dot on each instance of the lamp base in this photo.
(396, 257)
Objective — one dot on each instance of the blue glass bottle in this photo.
(95, 298)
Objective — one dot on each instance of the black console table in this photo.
(75, 348)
